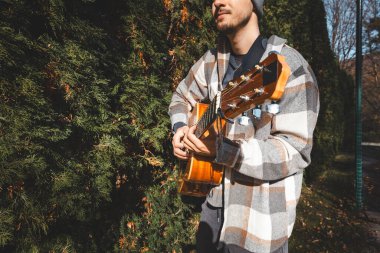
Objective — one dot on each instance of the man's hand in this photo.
(184, 142)
(204, 147)
(178, 145)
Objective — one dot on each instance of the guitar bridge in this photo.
(193, 188)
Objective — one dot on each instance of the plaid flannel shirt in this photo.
(264, 161)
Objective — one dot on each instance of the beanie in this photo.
(259, 7)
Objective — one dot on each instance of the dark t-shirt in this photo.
(239, 64)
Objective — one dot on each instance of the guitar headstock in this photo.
(266, 80)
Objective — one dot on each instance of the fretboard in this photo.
(207, 119)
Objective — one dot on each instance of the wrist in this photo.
(228, 153)
(177, 126)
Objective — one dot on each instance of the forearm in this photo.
(271, 159)
(189, 91)
(178, 111)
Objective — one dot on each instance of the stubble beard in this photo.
(231, 28)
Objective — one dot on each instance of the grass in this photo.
(327, 220)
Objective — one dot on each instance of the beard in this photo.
(232, 27)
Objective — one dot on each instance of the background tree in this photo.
(341, 16)
(341, 23)
(371, 72)
(371, 26)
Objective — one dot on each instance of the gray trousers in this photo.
(209, 232)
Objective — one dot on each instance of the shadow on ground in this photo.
(327, 218)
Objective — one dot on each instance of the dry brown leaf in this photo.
(131, 225)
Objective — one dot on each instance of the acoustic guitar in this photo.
(266, 80)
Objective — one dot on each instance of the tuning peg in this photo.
(259, 67)
(262, 68)
(244, 119)
(259, 91)
(245, 98)
(273, 108)
(244, 78)
(232, 106)
(231, 84)
(257, 112)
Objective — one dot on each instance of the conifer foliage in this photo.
(85, 134)
(85, 150)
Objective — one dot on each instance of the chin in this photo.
(223, 26)
(226, 29)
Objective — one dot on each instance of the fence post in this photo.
(358, 123)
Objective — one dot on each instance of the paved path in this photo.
(371, 178)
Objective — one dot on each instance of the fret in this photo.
(197, 132)
(207, 117)
(211, 113)
(213, 107)
(211, 116)
(203, 124)
(200, 126)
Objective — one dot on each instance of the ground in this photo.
(327, 218)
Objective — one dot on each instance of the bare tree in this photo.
(340, 15)
(372, 26)
(341, 24)
(371, 67)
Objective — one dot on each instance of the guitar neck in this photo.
(206, 120)
(264, 81)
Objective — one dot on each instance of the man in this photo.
(254, 209)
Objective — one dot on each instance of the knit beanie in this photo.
(259, 7)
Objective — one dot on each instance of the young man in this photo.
(254, 209)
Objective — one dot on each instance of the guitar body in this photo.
(201, 173)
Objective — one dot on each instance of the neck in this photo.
(242, 39)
